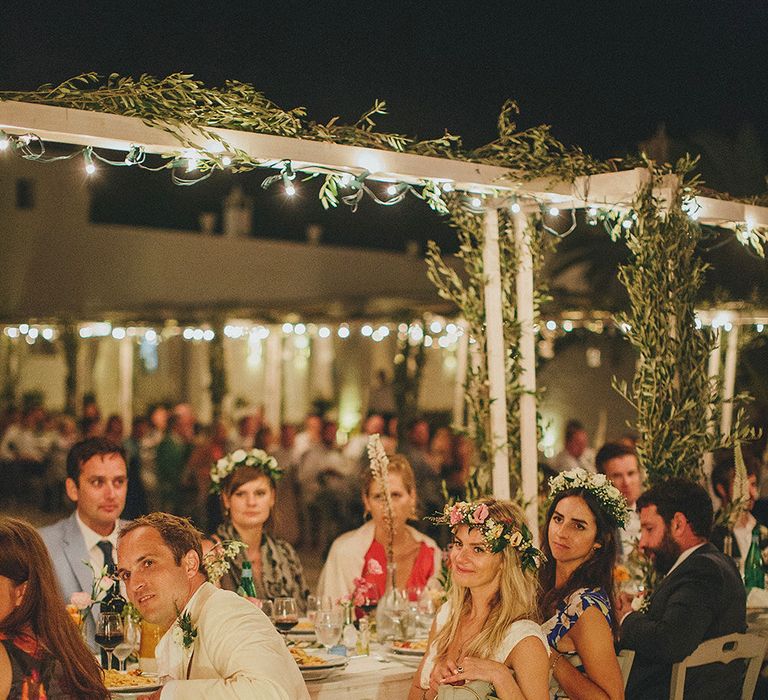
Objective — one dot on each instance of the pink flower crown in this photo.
(496, 533)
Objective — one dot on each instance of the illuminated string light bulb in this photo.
(343, 331)
(554, 211)
(759, 327)
(515, 208)
(592, 211)
(191, 157)
(90, 168)
(290, 190)
(476, 202)
(4, 141)
(366, 330)
(627, 223)
(346, 180)
(324, 331)
(287, 328)
(300, 329)
(447, 187)
(226, 161)
(551, 325)
(392, 190)
(567, 326)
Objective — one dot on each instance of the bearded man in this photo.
(700, 597)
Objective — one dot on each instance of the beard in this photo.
(666, 554)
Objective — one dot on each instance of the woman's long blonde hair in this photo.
(515, 599)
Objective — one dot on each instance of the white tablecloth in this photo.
(366, 678)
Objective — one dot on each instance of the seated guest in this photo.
(42, 654)
(361, 553)
(576, 596)
(619, 463)
(723, 474)
(216, 645)
(246, 482)
(576, 453)
(97, 483)
(485, 629)
(700, 597)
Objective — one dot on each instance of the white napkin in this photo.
(757, 598)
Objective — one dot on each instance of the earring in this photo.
(366, 515)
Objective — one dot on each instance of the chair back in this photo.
(625, 658)
(722, 650)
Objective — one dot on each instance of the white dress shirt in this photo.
(92, 540)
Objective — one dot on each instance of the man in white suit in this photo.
(217, 645)
(97, 481)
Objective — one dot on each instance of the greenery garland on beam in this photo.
(468, 295)
(671, 392)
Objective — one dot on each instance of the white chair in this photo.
(722, 650)
(625, 658)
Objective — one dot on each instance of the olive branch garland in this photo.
(380, 471)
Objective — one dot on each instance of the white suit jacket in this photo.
(347, 554)
(66, 545)
(237, 654)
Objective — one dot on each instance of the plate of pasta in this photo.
(316, 665)
(410, 647)
(131, 682)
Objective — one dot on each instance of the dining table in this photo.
(377, 676)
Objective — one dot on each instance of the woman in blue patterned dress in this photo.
(576, 596)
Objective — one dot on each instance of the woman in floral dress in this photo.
(576, 597)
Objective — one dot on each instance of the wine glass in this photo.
(328, 628)
(109, 633)
(286, 614)
(313, 605)
(130, 643)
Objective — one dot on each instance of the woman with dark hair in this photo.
(577, 595)
(42, 654)
(246, 482)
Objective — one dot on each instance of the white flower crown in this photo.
(243, 458)
(609, 497)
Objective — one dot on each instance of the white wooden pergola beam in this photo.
(116, 132)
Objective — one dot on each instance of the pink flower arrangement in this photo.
(81, 600)
(456, 516)
(364, 593)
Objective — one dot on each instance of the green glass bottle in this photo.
(754, 574)
(246, 587)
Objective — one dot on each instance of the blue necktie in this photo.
(106, 547)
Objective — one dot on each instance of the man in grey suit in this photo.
(700, 597)
(97, 482)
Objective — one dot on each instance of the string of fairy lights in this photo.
(439, 332)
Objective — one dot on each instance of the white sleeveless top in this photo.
(517, 631)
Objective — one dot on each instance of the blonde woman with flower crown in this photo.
(484, 638)
(576, 595)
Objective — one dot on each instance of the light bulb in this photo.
(324, 332)
(391, 190)
(290, 190)
(627, 223)
(343, 331)
(366, 330)
(447, 187)
(476, 202)
(4, 143)
(551, 326)
(554, 211)
(226, 161)
(515, 208)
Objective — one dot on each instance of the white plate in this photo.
(331, 663)
(405, 659)
(399, 651)
(136, 689)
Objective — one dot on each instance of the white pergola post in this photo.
(462, 357)
(729, 380)
(713, 372)
(495, 351)
(125, 382)
(273, 379)
(527, 348)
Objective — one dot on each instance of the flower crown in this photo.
(243, 458)
(496, 533)
(607, 495)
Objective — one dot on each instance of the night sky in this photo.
(604, 75)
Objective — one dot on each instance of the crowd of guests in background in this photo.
(169, 454)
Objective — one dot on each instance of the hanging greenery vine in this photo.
(468, 295)
(671, 393)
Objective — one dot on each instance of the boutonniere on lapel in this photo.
(641, 603)
(185, 633)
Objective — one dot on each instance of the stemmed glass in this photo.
(131, 638)
(313, 605)
(286, 614)
(109, 633)
(328, 628)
